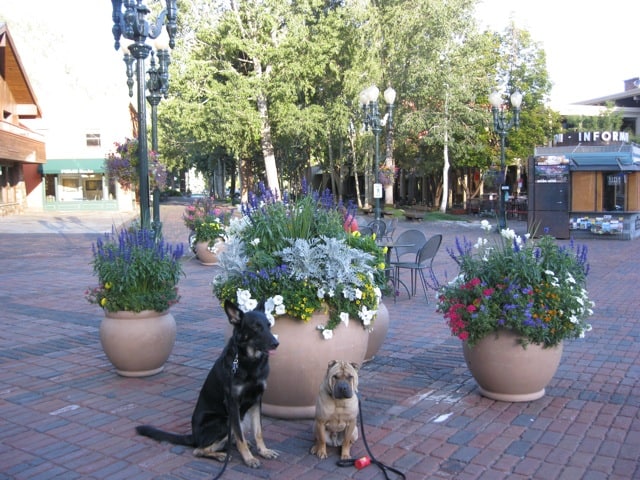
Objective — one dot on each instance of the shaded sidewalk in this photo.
(66, 414)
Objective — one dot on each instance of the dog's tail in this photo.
(162, 436)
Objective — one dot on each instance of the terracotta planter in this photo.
(300, 363)
(378, 333)
(506, 371)
(138, 344)
(209, 255)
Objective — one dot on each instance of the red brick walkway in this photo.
(65, 414)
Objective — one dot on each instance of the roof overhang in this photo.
(73, 166)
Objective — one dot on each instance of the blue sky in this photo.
(591, 47)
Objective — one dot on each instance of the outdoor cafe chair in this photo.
(405, 246)
(422, 264)
(378, 227)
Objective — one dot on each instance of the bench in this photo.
(414, 214)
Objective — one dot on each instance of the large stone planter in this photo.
(378, 332)
(208, 255)
(138, 344)
(300, 363)
(506, 371)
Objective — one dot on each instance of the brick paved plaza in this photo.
(65, 414)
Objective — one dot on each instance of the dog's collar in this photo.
(234, 365)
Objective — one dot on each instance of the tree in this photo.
(439, 63)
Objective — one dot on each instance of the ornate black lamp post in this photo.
(372, 120)
(158, 86)
(502, 127)
(131, 24)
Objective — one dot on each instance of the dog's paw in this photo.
(318, 451)
(204, 452)
(252, 462)
(268, 453)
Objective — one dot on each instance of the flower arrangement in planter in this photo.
(137, 275)
(197, 211)
(122, 164)
(535, 289)
(296, 255)
(136, 271)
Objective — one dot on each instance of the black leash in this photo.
(234, 369)
(362, 462)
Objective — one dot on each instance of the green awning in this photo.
(73, 166)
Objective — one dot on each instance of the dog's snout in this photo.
(342, 389)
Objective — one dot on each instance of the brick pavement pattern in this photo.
(65, 413)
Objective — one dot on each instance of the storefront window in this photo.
(613, 192)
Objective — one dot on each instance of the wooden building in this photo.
(22, 150)
(587, 185)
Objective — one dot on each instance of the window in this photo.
(613, 192)
(93, 139)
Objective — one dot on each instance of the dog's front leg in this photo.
(256, 425)
(320, 447)
(348, 440)
(241, 441)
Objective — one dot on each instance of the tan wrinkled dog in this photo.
(336, 421)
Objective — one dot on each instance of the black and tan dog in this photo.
(336, 421)
(233, 389)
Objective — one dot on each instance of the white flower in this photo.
(508, 233)
(327, 334)
(480, 243)
(570, 279)
(573, 319)
(269, 305)
(579, 300)
(358, 293)
(332, 293)
(280, 309)
(378, 292)
(255, 241)
(344, 318)
(243, 295)
(549, 272)
(271, 318)
(366, 315)
(250, 304)
(321, 293)
(277, 300)
(485, 225)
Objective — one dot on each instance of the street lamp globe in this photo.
(516, 99)
(495, 99)
(390, 96)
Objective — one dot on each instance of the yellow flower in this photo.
(381, 265)
(107, 285)
(103, 301)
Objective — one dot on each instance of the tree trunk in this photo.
(445, 155)
(388, 160)
(265, 136)
(352, 135)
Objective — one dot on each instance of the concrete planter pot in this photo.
(208, 255)
(300, 363)
(506, 371)
(378, 333)
(138, 344)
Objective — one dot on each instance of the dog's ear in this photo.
(331, 364)
(356, 366)
(233, 312)
(260, 307)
